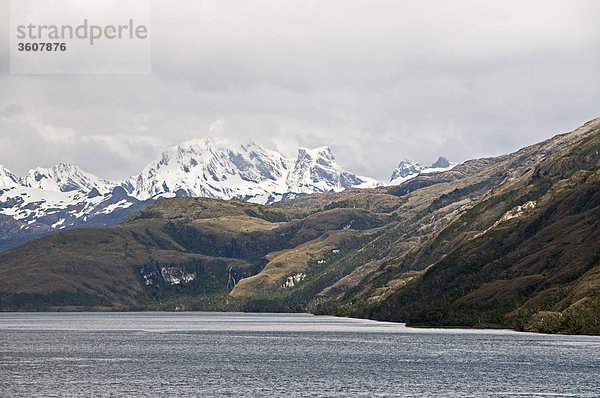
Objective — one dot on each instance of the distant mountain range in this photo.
(407, 169)
(214, 168)
(511, 241)
(46, 200)
(64, 197)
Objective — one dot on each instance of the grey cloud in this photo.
(376, 80)
(12, 109)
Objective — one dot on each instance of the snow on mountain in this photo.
(55, 210)
(316, 170)
(8, 179)
(65, 196)
(407, 169)
(60, 209)
(215, 168)
(211, 168)
(62, 197)
(65, 178)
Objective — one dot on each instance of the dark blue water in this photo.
(215, 354)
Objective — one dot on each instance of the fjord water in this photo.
(233, 354)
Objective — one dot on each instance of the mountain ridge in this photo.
(65, 178)
(407, 169)
(216, 168)
(509, 241)
(64, 196)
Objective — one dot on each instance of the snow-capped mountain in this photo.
(316, 171)
(211, 168)
(8, 179)
(65, 178)
(60, 197)
(216, 168)
(64, 196)
(42, 211)
(407, 169)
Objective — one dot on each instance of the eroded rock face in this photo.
(292, 280)
(171, 274)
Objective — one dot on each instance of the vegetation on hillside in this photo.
(499, 242)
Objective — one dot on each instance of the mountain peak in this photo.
(64, 177)
(203, 143)
(316, 170)
(442, 162)
(211, 167)
(217, 168)
(8, 179)
(408, 169)
(316, 153)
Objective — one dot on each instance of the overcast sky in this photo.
(377, 81)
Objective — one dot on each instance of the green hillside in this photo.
(510, 241)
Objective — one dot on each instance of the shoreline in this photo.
(122, 311)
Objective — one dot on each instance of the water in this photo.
(245, 355)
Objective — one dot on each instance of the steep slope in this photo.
(14, 232)
(8, 179)
(62, 197)
(434, 216)
(526, 256)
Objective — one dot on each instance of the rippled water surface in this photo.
(218, 354)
